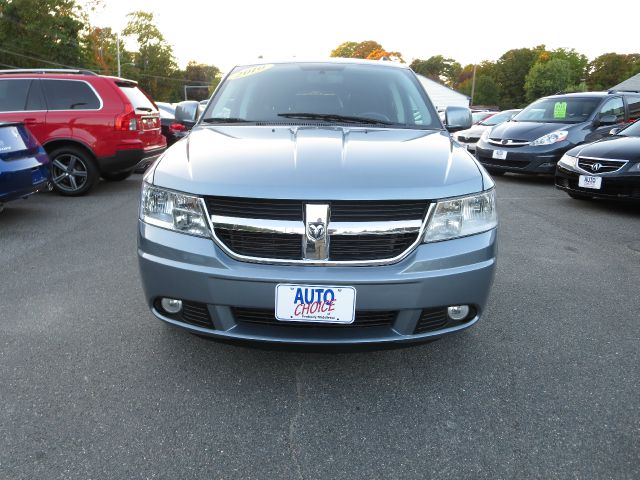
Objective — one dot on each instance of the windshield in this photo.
(476, 117)
(326, 92)
(497, 118)
(559, 110)
(632, 130)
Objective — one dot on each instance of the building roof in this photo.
(630, 84)
(441, 95)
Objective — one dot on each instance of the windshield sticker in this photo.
(247, 72)
(560, 110)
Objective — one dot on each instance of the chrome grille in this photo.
(296, 231)
(600, 165)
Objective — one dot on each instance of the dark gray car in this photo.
(319, 203)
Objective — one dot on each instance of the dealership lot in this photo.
(545, 386)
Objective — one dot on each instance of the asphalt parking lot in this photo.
(545, 386)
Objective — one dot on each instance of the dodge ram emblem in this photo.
(316, 230)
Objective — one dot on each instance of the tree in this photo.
(610, 69)
(381, 53)
(200, 74)
(438, 68)
(344, 50)
(37, 33)
(154, 60)
(511, 70)
(366, 48)
(548, 78)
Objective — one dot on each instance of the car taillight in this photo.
(127, 121)
(177, 127)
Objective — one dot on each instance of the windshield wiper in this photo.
(226, 120)
(336, 118)
(145, 109)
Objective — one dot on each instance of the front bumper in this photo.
(434, 276)
(615, 186)
(525, 159)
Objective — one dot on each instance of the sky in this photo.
(230, 32)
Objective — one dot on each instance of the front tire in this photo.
(73, 171)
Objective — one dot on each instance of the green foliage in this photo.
(548, 78)
(35, 32)
(511, 70)
(344, 50)
(438, 68)
(610, 69)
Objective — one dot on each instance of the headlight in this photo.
(485, 135)
(463, 216)
(550, 138)
(173, 211)
(568, 161)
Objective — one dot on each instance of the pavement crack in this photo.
(293, 423)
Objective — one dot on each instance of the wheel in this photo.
(495, 173)
(577, 196)
(73, 171)
(116, 177)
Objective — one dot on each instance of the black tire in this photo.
(73, 171)
(115, 177)
(577, 196)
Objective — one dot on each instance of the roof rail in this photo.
(47, 70)
(623, 91)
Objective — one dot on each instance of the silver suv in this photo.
(318, 203)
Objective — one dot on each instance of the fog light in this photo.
(171, 305)
(458, 312)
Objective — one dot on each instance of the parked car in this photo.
(469, 138)
(536, 138)
(479, 116)
(90, 125)
(318, 203)
(24, 165)
(608, 168)
(172, 130)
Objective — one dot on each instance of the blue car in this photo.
(24, 165)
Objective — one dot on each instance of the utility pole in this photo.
(473, 84)
(118, 48)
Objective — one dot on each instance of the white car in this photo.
(468, 138)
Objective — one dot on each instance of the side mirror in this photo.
(187, 113)
(457, 118)
(604, 120)
(614, 131)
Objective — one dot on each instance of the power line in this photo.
(184, 80)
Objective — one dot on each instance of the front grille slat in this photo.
(266, 317)
(269, 244)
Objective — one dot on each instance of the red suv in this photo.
(90, 125)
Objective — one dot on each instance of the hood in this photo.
(526, 131)
(614, 148)
(318, 163)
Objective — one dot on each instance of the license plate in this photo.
(587, 181)
(499, 154)
(315, 303)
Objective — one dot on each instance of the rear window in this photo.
(70, 95)
(138, 99)
(12, 139)
(13, 95)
